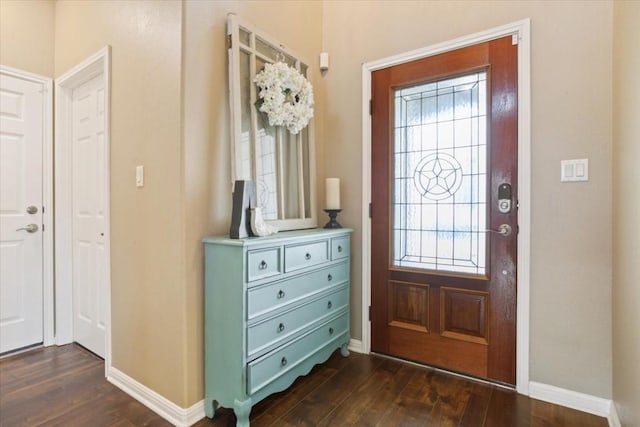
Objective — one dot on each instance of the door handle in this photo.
(29, 228)
(503, 230)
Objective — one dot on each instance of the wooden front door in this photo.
(444, 210)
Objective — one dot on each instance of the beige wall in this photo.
(571, 118)
(147, 256)
(178, 128)
(207, 173)
(170, 113)
(626, 209)
(26, 35)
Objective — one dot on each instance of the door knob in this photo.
(503, 230)
(29, 228)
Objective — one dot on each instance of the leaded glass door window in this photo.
(440, 175)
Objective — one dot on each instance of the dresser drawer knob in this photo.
(283, 361)
(329, 305)
(330, 331)
(263, 265)
(307, 256)
(329, 277)
(280, 294)
(339, 248)
(281, 327)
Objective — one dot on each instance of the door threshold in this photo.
(446, 371)
(20, 350)
(77, 344)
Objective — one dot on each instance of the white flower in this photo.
(287, 97)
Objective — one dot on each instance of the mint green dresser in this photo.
(274, 307)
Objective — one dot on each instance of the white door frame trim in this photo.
(47, 200)
(97, 64)
(521, 29)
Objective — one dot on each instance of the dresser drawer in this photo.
(263, 299)
(263, 263)
(305, 255)
(274, 331)
(264, 370)
(339, 248)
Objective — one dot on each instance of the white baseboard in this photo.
(195, 413)
(162, 406)
(614, 420)
(571, 399)
(355, 346)
(180, 417)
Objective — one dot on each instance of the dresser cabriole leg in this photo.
(242, 411)
(210, 406)
(344, 350)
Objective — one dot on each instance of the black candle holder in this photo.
(333, 214)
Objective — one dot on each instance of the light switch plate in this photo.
(140, 176)
(324, 61)
(574, 170)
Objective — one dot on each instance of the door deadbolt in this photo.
(504, 198)
(32, 210)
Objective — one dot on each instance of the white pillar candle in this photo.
(332, 193)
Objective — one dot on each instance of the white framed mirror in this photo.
(281, 164)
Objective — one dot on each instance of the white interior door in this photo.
(88, 189)
(21, 194)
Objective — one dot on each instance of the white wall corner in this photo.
(180, 417)
(356, 346)
(571, 399)
(614, 420)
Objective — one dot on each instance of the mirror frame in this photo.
(234, 46)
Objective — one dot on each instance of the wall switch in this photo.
(574, 170)
(140, 176)
(324, 61)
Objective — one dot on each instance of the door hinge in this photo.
(370, 107)
(229, 43)
(43, 228)
(515, 39)
(43, 209)
(369, 313)
(370, 210)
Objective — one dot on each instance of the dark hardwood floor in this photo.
(65, 386)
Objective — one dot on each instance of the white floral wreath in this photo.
(285, 95)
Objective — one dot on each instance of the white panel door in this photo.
(88, 181)
(21, 250)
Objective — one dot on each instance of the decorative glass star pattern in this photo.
(438, 176)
